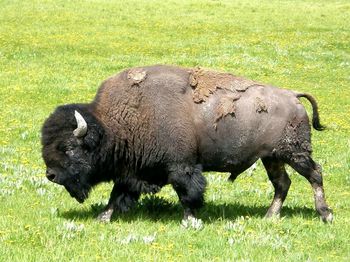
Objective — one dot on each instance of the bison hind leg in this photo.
(281, 182)
(305, 166)
(189, 184)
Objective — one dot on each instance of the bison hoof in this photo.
(192, 222)
(272, 216)
(105, 216)
(328, 218)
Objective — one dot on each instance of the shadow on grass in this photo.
(154, 208)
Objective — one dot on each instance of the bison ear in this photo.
(81, 129)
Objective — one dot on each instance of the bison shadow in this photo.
(155, 208)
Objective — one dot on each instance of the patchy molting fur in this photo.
(260, 105)
(206, 82)
(226, 107)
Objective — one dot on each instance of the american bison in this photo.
(157, 125)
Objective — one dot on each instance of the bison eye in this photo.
(61, 147)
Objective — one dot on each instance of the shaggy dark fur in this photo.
(145, 129)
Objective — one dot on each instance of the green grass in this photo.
(56, 52)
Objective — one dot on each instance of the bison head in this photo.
(71, 139)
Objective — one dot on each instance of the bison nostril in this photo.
(50, 176)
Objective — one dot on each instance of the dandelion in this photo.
(162, 228)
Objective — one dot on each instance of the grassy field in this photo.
(57, 52)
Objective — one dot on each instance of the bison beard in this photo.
(158, 125)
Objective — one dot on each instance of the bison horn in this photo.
(81, 129)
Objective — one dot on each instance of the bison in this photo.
(152, 126)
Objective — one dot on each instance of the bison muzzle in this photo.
(157, 125)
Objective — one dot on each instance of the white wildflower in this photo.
(130, 238)
(192, 222)
(41, 191)
(71, 226)
(231, 241)
(149, 239)
(53, 211)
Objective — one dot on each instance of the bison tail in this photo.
(315, 116)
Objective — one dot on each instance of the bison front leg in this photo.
(189, 184)
(124, 195)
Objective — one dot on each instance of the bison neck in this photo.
(101, 144)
